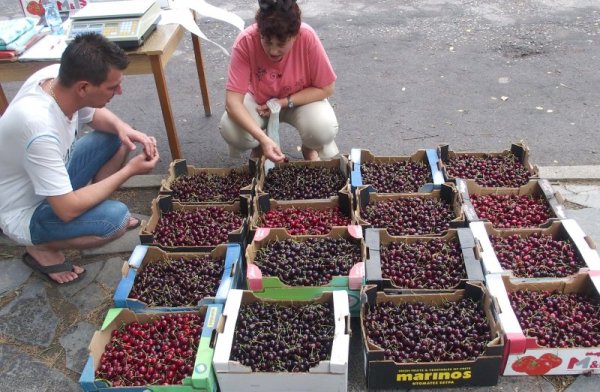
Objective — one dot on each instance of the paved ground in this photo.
(477, 74)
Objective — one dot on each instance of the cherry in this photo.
(271, 337)
(511, 210)
(291, 182)
(410, 215)
(303, 221)
(396, 177)
(194, 227)
(177, 282)
(203, 187)
(133, 356)
(505, 170)
(557, 319)
(419, 332)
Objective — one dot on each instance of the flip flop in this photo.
(44, 271)
(136, 223)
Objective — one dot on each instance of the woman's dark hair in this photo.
(89, 57)
(278, 19)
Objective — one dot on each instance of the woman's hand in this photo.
(263, 110)
(272, 151)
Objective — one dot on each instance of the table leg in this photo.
(201, 74)
(165, 105)
(3, 101)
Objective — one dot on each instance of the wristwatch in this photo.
(290, 102)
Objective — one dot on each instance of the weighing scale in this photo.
(126, 23)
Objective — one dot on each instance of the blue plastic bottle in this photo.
(53, 19)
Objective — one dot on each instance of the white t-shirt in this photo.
(35, 145)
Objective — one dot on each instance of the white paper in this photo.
(50, 47)
(180, 13)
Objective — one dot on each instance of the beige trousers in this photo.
(316, 123)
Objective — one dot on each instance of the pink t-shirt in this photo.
(305, 65)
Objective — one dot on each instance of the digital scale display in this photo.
(127, 23)
(109, 28)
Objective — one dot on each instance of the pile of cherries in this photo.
(272, 337)
(419, 332)
(203, 187)
(158, 352)
(196, 227)
(312, 262)
(511, 210)
(178, 282)
(396, 177)
(558, 319)
(305, 221)
(410, 215)
(290, 182)
(505, 170)
(537, 255)
(433, 264)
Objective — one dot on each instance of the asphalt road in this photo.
(477, 74)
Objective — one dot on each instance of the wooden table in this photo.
(152, 57)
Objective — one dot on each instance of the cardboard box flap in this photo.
(356, 276)
(225, 337)
(124, 287)
(138, 254)
(338, 363)
(201, 375)
(180, 167)
(434, 164)
(372, 238)
(86, 380)
(490, 261)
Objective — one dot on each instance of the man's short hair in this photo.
(90, 57)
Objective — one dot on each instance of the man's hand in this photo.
(141, 164)
(272, 151)
(148, 142)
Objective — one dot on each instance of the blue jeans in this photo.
(89, 154)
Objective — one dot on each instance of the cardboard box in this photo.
(519, 150)
(203, 377)
(262, 203)
(179, 168)
(380, 238)
(574, 360)
(535, 188)
(273, 288)
(563, 230)
(428, 157)
(447, 193)
(330, 375)
(387, 374)
(164, 203)
(144, 256)
(267, 165)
